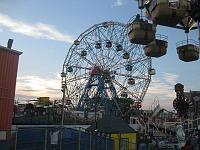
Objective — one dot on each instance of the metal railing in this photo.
(186, 42)
(161, 37)
(191, 125)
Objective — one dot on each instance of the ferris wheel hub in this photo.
(95, 70)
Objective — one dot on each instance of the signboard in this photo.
(2, 135)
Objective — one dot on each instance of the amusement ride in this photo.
(112, 60)
(179, 14)
(103, 66)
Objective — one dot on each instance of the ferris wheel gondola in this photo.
(180, 14)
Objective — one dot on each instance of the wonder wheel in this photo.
(103, 64)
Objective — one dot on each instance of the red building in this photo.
(8, 73)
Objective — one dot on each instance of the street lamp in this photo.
(95, 115)
(63, 75)
(63, 103)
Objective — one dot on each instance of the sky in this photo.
(45, 30)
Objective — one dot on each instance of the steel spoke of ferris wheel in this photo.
(118, 42)
(110, 38)
(122, 64)
(73, 58)
(116, 54)
(84, 58)
(99, 33)
(112, 59)
(135, 69)
(77, 78)
(77, 91)
(139, 70)
(136, 95)
(124, 88)
(118, 64)
(79, 67)
(109, 60)
(91, 50)
(79, 74)
(130, 76)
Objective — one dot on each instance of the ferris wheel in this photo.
(102, 62)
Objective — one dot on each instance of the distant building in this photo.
(194, 98)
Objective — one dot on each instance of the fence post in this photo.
(106, 143)
(90, 141)
(79, 139)
(61, 137)
(120, 141)
(45, 140)
(16, 138)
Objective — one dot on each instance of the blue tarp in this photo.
(38, 138)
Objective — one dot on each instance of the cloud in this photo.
(161, 88)
(119, 3)
(35, 86)
(170, 78)
(37, 30)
